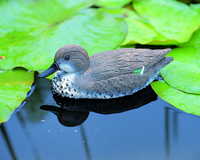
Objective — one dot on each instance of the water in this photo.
(155, 131)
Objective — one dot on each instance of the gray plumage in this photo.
(109, 74)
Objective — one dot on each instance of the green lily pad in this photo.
(194, 40)
(184, 72)
(112, 3)
(138, 30)
(196, 7)
(174, 21)
(189, 103)
(14, 86)
(33, 31)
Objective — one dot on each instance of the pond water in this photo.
(154, 131)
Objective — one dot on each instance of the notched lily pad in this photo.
(189, 103)
(31, 37)
(184, 72)
(138, 30)
(174, 21)
(14, 86)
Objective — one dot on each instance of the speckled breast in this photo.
(77, 86)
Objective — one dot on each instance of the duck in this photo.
(104, 75)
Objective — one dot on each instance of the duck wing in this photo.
(109, 64)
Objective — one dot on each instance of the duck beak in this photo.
(53, 68)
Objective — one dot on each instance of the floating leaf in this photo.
(196, 7)
(141, 30)
(32, 32)
(112, 3)
(174, 21)
(138, 30)
(183, 73)
(194, 40)
(189, 103)
(14, 86)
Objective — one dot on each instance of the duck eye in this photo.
(67, 58)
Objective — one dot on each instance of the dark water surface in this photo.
(155, 131)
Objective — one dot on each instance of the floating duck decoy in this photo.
(109, 74)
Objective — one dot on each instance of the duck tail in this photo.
(166, 61)
(161, 60)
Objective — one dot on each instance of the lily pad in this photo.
(33, 31)
(14, 86)
(173, 20)
(189, 103)
(184, 72)
(138, 30)
(112, 3)
(196, 7)
(194, 40)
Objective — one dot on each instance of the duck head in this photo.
(70, 58)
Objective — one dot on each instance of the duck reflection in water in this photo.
(73, 112)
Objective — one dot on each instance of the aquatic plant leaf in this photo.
(112, 3)
(189, 103)
(184, 72)
(31, 32)
(194, 40)
(196, 7)
(172, 20)
(138, 30)
(14, 86)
